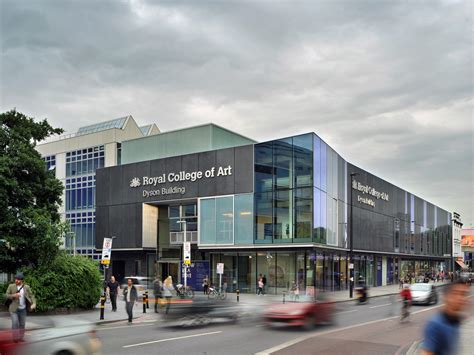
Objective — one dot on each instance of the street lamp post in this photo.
(185, 265)
(351, 241)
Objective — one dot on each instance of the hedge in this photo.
(71, 282)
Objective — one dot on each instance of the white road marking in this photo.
(122, 326)
(170, 339)
(381, 305)
(354, 310)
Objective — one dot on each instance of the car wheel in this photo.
(308, 322)
(435, 299)
(64, 352)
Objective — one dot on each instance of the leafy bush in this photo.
(72, 282)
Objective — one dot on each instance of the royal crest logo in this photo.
(135, 182)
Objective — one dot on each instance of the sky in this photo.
(387, 84)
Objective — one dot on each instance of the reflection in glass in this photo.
(263, 216)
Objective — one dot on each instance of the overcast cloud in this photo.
(389, 85)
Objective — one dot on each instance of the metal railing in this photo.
(177, 237)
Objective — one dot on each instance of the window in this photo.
(50, 162)
(83, 162)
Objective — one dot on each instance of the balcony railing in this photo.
(177, 237)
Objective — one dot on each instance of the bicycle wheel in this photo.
(223, 296)
(212, 295)
(190, 293)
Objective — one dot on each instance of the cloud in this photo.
(388, 85)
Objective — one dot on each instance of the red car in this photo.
(305, 312)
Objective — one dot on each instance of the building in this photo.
(280, 208)
(467, 247)
(458, 258)
(75, 158)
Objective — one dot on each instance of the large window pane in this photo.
(303, 213)
(303, 160)
(285, 270)
(283, 159)
(207, 221)
(323, 166)
(225, 220)
(317, 161)
(243, 205)
(283, 228)
(263, 167)
(263, 216)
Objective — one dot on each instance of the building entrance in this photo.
(169, 268)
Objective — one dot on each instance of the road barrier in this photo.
(102, 307)
(238, 295)
(146, 297)
(144, 303)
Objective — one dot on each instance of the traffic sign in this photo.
(187, 252)
(220, 268)
(106, 251)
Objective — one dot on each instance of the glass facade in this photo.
(50, 162)
(226, 220)
(80, 197)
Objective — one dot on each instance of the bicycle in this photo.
(405, 311)
(215, 293)
(184, 293)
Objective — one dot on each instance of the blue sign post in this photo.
(196, 272)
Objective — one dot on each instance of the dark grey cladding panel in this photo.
(129, 172)
(190, 164)
(101, 195)
(207, 186)
(101, 225)
(123, 224)
(113, 184)
(225, 177)
(244, 169)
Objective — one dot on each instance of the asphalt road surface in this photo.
(359, 329)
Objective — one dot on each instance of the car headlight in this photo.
(296, 312)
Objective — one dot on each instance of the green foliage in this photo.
(72, 282)
(30, 231)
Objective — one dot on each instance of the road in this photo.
(359, 329)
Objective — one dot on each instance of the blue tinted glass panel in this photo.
(303, 213)
(264, 167)
(283, 227)
(207, 221)
(243, 205)
(323, 217)
(323, 166)
(317, 161)
(303, 160)
(225, 220)
(317, 216)
(283, 163)
(264, 217)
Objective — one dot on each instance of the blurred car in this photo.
(141, 283)
(200, 312)
(58, 336)
(306, 313)
(423, 293)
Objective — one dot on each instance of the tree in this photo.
(30, 228)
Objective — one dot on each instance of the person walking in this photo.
(259, 286)
(114, 288)
(264, 280)
(157, 291)
(168, 292)
(130, 294)
(442, 332)
(18, 296)
(205, 284)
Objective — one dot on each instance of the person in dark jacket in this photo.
(130, 294)
(158, 291)
(114, 288)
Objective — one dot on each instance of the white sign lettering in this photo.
(366, 189)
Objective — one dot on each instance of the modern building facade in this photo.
(467, 247)
(280, 208)
(75, 158)
(458, 257)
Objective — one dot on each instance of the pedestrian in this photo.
(19, 297)
(259, 286)
(130, 294)
(400, 283)
(167, 292)
(442, 332)
(157, 291)
(205, 284)
(114, 288)
(264, 280)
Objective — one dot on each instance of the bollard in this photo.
(284, 293)
(146, 297)
(144, 303)
(102, 307)
(238, 295)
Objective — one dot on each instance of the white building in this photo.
(75, 158)
(457, 227)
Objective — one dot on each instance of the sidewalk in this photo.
(336, 296)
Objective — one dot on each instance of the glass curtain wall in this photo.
(283, 194)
